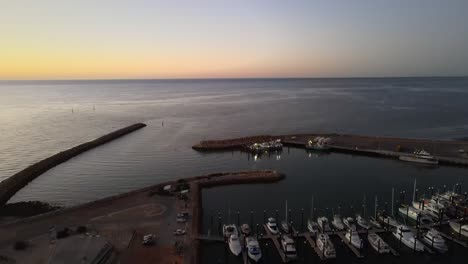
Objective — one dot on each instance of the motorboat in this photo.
(272, 226)
(378, 244)
(349, 223)
(362, 222)
(235, 245)
(318, 143)
(253, 248)
(179, 232)
(323, 224)
(337, 223)
(406, 236)
(387, 220)
(288, 246)
(354, 239)
(313, 227)
(245, 229)
(266, 146)
(420, 156)
(325, 245)
(459, 228)
(434, 240)
(229, 230)
(413, 213)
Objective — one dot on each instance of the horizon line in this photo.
(231, 78)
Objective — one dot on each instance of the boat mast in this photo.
(286, 212)
(364, 206)
(393, 197)
(414, 190)
(375, 208)
(312, 209)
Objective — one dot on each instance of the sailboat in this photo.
(373, 220)
(312, 226)
(285, 224)
(386, 220)
(361, 219)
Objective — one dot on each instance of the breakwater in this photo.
(14, 183)
(447, 152)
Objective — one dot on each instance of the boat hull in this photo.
(419, 160)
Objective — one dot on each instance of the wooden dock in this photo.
(353, 249)
(274, 238)
(312, 244)
(392, 250)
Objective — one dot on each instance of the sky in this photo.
(112, 39)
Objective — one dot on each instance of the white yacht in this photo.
(312, 226)
(354, 239)
(325, 246)
(288, 246)
(235, 245)
(378, 244)
(387, 220)
(362, 222)
(323, 224)
(413, 213)
(271, 225)
(229, 230)
(429, 207)
(318, 143)
(349, 223)
(434, 240)
(407, 237)
(337, 223)
(420, 156)
(459, 230)
(253, 248)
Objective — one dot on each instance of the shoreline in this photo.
(447, 152)
(103, 214)
(10, 186)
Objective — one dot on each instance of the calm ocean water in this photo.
(38, 119)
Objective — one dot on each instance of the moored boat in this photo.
(272, 226)
(414, 214)
(408, 238)
(349, 223)
(434, 240)
(235, 245)
(323, 224)
(459, 229)
(325, 245)
(378, 244)
(354, 239)
(245, 229)
(229, 230)
(288, 246)
(420, 156)
(253, 248)
(387, 221)
(362, 222)
(312, 226)
(337, 222)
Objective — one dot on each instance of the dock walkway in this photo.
(356, 251)
(274, 238)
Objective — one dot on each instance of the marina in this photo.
(406, 149)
